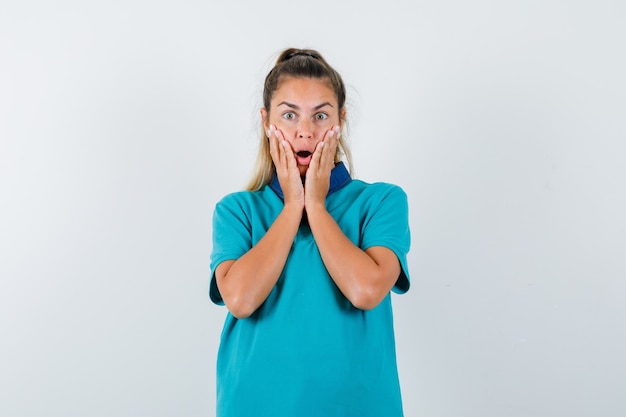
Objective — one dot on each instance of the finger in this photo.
(319, 158)
(272, 143)
(330, 147)
(332, 151)
(316, 159)
(276, 150)
(288, 155)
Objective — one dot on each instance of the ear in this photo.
(342, 118)
(265, 120)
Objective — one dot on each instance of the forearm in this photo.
(246, 282)
(363, 279)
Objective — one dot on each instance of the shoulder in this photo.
(374, 186)
(248, 206)
(259, 198)
(234, 199)
(363, 199)
(377, 190)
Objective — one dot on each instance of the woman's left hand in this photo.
(317, 179)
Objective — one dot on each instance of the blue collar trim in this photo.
(339, 178)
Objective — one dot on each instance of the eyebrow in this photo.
(293, 106)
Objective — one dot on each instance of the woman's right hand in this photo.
(286, 168)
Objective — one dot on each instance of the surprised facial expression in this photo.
(304, 110)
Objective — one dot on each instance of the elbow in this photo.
(366, 304)
(239, 308)
(240, 312)
(366, 298)
(238, 301)
(368, 293)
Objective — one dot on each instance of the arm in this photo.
(245, 283)
(364, 277)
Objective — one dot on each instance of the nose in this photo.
(304, 130)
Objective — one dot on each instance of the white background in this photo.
(123, 122)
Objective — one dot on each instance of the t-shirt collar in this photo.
(339, 178)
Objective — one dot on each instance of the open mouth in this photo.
(303, 157)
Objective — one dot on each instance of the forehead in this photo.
(304, 90)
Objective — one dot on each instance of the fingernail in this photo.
(332, 133)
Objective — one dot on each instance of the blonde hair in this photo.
(301, 63)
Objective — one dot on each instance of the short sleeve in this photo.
(387, 224)
(231, 239)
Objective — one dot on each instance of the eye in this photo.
(321, 116)
(289, 115)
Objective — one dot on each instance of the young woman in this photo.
(305, 260)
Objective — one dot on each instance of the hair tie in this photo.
(301, 53)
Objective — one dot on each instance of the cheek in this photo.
(288, 128)
(288, 131)
(317, 127)
(290, 141)
(279, 122)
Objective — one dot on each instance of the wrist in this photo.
(315, 208)
(293, 208)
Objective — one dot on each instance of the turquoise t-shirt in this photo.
(306, 351)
